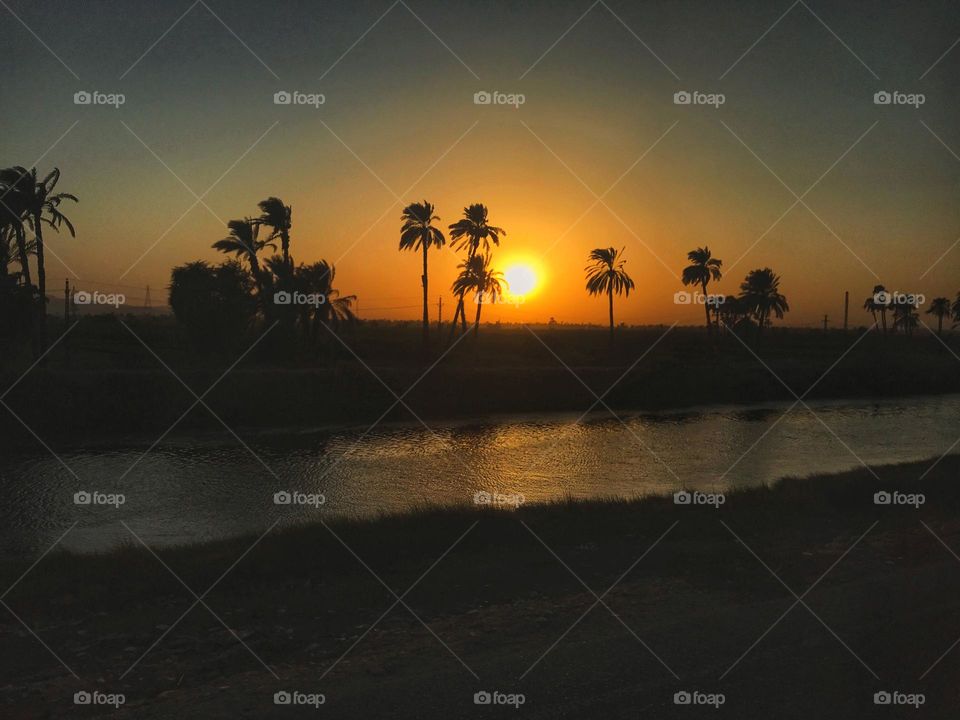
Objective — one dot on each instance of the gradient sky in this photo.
(399, 117)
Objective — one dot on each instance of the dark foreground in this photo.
(877, 603)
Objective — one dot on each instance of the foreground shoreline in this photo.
(498, 588)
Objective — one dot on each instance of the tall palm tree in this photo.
(605, 274)
(878, 304)
(243, 241)
(470, 232)
(702, 269)
(15, 190)
(760, 293)
(43, 206)
(278, 217)
(419, 233)
(477, 276)
(939, 308)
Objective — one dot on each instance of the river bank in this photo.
(692, 588)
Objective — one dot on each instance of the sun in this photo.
(521, 278)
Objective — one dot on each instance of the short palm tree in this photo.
(939, 308)
(337, 309)
(16, 189)
(905, 316)
(478, 276)
(955, 309)
(471, 232)
(419, 233)
(243, 241)
(702, 269)
(877, 304)
(760, 293)
(605, 274)
(279, 218)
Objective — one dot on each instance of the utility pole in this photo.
(824, 322)
(66, 302)
(846, 309)
(146, 300)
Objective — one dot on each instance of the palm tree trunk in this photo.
(426, 314)
(456, 314)
(476, 324)
(41, 283)
(610, 298)
(939, 325)
(22, 251)
(706, 308)
(285, 246)
(883, 319)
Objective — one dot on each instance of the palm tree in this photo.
(703, 268)
(878, 303)
(472, 231)
(940, 308)
(14, 193)
(905, 316)
(43, 206)
(278, 217)
(243, 241)
(955, 309)
(605, 274)
(335, 310)
(760, 293)
(419, 233)
(478, 277)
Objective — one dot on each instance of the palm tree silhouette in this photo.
(470, 232)
(337, 309)
(955, 309)
(939, 308)
(243, 241)
(15, 188)
(878, 303)
(419, 233)
(605, 274)
(905, 316)
(477, 276)
(279, 218)
(760, 293)
(703, 268)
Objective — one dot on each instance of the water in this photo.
(193, 490)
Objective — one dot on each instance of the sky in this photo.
(798, 169)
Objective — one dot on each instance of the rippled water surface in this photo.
(190, 490)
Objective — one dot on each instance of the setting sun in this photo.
(521, 278)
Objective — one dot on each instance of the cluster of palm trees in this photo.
(472, 233)
(275, 281)
(28, 202)
(904, 310)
